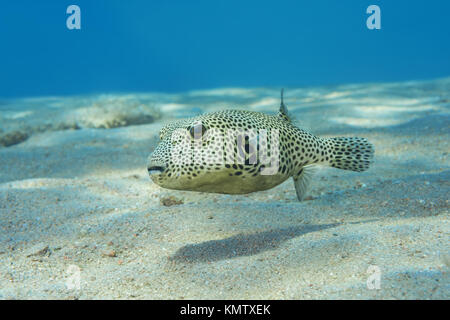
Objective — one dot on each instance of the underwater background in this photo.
(81, 110)
(173, 46)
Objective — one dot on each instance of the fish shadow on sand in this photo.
(242, 244)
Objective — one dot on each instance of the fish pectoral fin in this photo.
(303, 180)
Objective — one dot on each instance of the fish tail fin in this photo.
(355, 154)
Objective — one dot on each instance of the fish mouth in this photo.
(155, 170)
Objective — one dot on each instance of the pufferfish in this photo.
(239, 152)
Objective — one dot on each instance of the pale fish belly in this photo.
(224, 183)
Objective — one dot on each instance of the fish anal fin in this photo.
(303, 180)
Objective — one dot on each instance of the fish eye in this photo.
(197, 130)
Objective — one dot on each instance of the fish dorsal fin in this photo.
(283, 113)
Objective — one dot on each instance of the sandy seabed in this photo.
(76, 202)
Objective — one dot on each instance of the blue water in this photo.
(181, 45)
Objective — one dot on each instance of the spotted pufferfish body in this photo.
(239, 152)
